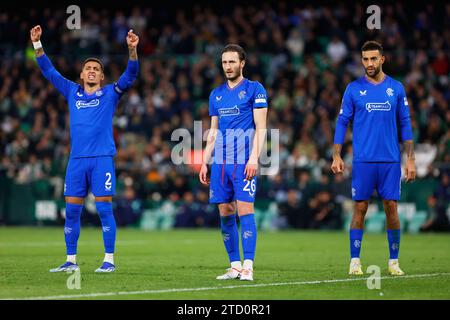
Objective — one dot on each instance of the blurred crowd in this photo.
(304, 55)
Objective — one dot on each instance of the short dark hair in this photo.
(235, 48)
(372, 45)
(95, 60)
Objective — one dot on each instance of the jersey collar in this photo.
(240, 82)
(375, 83)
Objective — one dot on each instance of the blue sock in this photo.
(394, 243)
(105, 211)
(248, 235)
(72, 227)
(356, 236)
(230, 237)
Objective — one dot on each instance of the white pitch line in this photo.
(121, 293)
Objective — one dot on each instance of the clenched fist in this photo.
(132, 39)
(35, 33)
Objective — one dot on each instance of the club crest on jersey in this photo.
(378, 106)
(390, 92)
(87, 104)
(98, 93)
(229, 111)
(242, 94)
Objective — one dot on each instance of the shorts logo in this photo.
(248, 234)
(85, 104)
(395, 246)
(67, 230)
(211, 193)
(390, 92)
(226, 236)
(378, 106)
(353, 192)
(357, 244)
(106, 228)
(229, 111)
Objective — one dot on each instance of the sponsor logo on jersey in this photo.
(87, 104)
(390, 92)
(378, 106)
(229, 111)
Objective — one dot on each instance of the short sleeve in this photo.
(260, 97)
(212, 108)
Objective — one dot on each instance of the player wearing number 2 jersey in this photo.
(91, 164)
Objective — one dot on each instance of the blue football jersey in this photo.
(377, 111)
(91, 115)
(234, 109)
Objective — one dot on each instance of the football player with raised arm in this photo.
(91, 162)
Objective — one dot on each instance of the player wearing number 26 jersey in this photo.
(238, 110)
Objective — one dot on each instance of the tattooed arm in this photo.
(410, 169)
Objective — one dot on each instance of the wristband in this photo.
(37, 45)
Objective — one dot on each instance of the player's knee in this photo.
(226, 209)
(245, 208)
(361, 208)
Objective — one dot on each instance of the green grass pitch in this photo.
(183, 264)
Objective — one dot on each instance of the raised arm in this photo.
(48, 70)
(130, 74)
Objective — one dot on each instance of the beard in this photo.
(233, 76)
(375, 72)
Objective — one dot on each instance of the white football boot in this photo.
(355, 267)
(394, 268)
(232, 273)
(247, 275)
